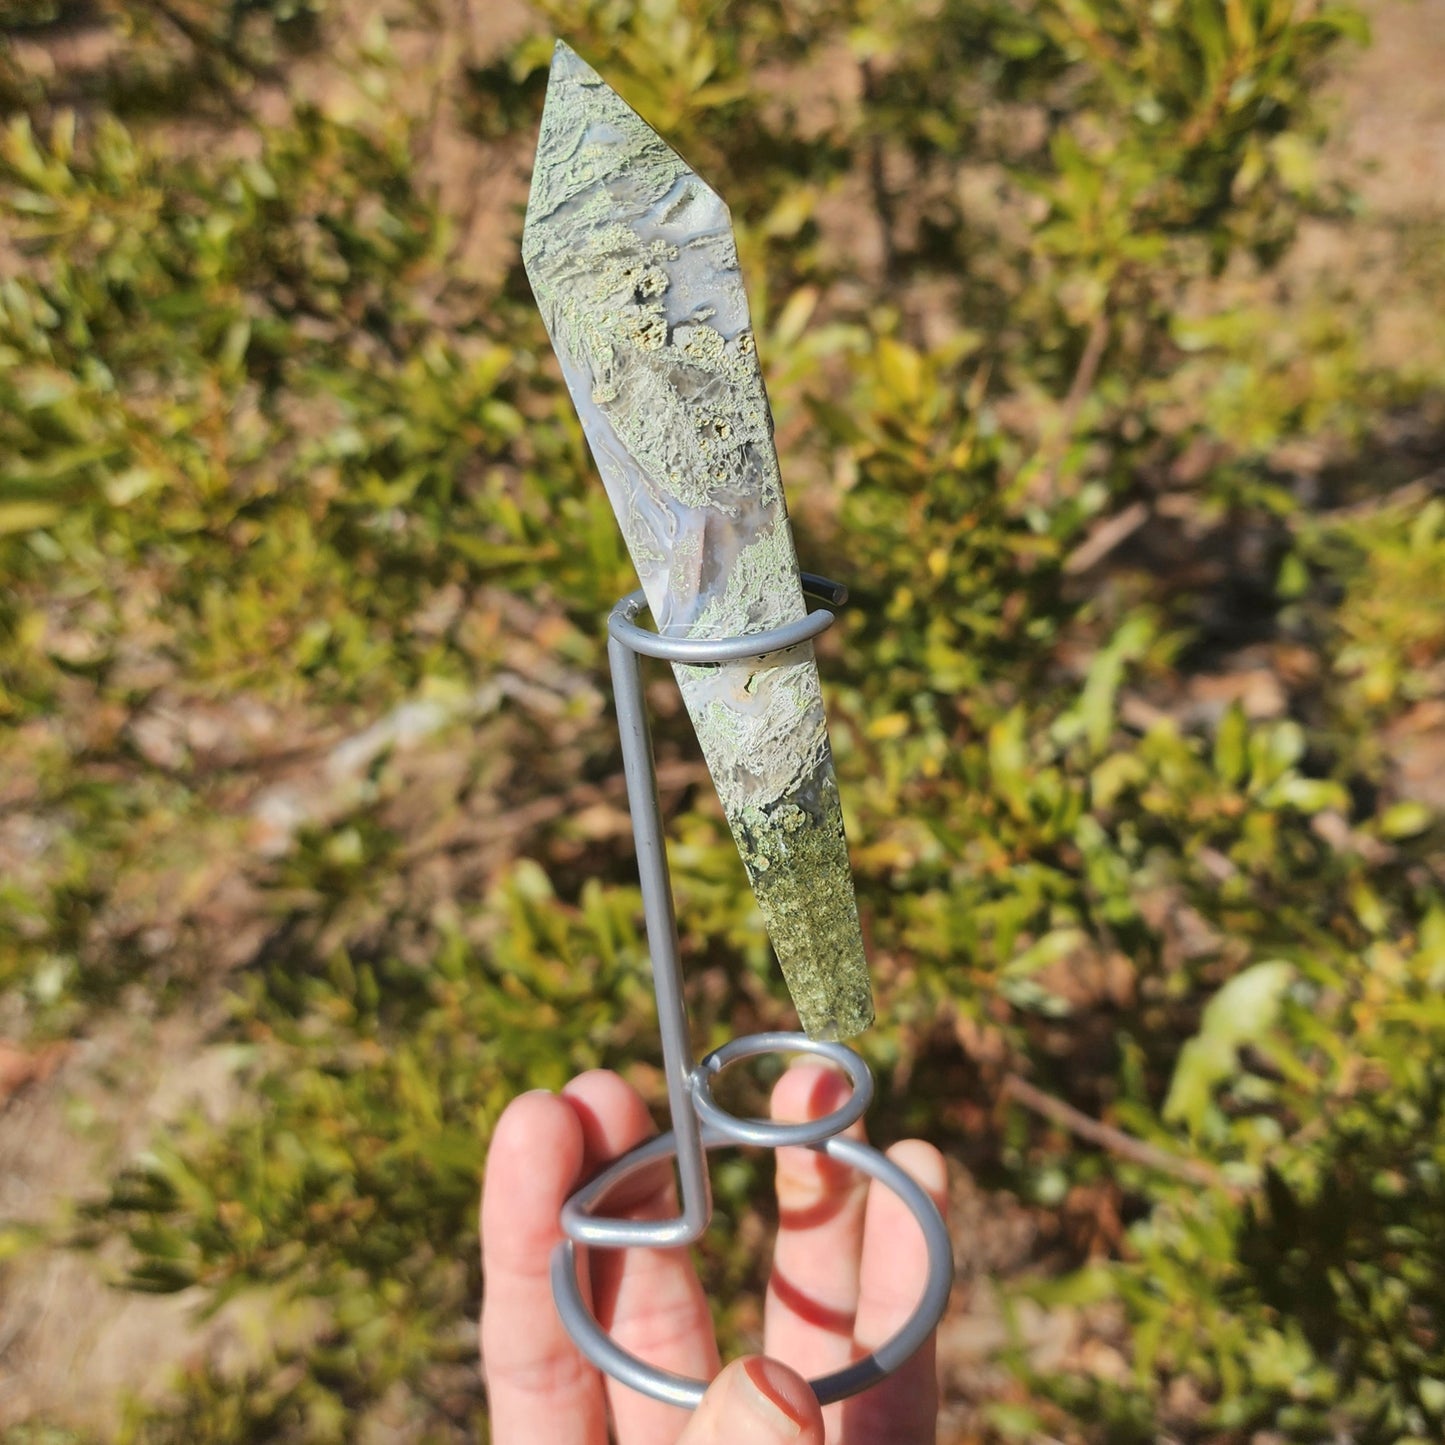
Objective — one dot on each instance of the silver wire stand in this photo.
(699, 1123)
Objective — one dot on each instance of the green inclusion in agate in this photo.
(632, 260)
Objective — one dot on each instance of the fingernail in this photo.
(769, 1396)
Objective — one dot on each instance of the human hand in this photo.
(848, 1267)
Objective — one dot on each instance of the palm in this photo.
(848, 1268)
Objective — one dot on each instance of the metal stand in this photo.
(699, 1123)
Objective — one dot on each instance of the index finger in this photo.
(539, 1387)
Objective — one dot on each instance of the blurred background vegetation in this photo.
(1113, 386)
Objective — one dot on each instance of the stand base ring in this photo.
(603, 1351)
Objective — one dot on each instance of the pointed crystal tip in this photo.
(566, 62)
(594, 150)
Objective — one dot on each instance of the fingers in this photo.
(813, 1292)
(539, 1387)
(823, 1306)
(903, 1409)
(649, 1300)
(756, 1401)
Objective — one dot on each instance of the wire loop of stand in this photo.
(710, 651)
(763, 1133)
(699, 1123)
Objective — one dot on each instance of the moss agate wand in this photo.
(632, 260)
(633, 263)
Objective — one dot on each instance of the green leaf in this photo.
(1405, 820)
(1055, 946)
(1242, 1012)
(1231, 745)
(1008, 762)
(28, 516)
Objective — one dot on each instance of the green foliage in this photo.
(1313, 1299)
(354, 1181)
(261, 445)
(1391, 621)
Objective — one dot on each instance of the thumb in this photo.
(756, 1401)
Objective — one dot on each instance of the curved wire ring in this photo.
(763, 1132)
(607, 1355)
(709, 651)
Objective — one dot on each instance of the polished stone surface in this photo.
(632, 260)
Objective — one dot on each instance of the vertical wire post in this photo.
(662, 943)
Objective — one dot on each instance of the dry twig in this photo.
(1106, 1136)
(1112, 532)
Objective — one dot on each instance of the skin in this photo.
(848, 1267)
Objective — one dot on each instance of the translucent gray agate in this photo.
(632, 260)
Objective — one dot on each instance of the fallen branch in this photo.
(1111, 533)
(1412, 494)
(1106, 1136)
(527, 817)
